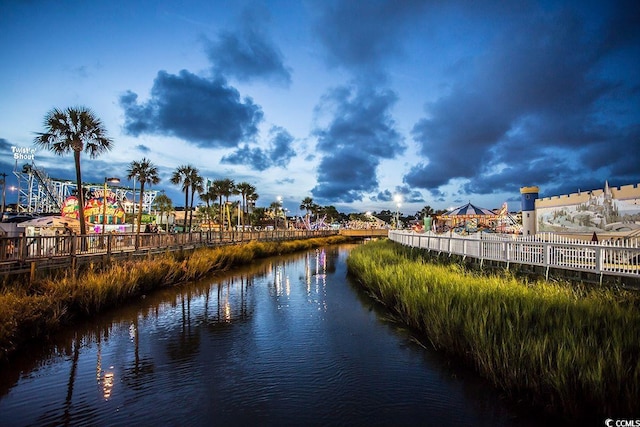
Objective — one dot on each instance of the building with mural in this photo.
(98, 205)
(610, 209)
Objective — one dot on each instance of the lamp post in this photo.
(104, 201)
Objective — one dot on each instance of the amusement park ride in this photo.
(38, 193)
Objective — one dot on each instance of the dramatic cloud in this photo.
(360, 133)
(207, 113)
(345, 175)
(454, 101)
(248, 53)
(535, 101)
(5, 145)
(354, 36)
(279, 152)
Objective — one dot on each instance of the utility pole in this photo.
(3, 181)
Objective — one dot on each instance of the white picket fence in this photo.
(619, 258)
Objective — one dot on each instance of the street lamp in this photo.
(104, 201)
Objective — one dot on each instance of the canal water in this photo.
(284, 341)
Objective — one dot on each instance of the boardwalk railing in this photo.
(618, 258)
(25, 253)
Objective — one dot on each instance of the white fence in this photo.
(619, 258)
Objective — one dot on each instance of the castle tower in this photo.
(529, 196)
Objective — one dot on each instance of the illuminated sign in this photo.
(95, 207)
(23, 153)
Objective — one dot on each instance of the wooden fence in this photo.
(549, 251)
(27, 254)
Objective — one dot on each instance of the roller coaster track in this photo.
(38, 193)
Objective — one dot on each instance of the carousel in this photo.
(467, 219)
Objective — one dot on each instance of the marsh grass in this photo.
(570, 348)
(35, 310)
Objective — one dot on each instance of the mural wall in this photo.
(608, 209)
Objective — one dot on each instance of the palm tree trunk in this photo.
(139, 215)
(209, 221)
(191, 210)
(244, 207)
(83, 225)
(186, 208)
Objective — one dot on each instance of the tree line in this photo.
(77, 130)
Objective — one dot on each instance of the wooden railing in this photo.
(618, 258)
(27, 253)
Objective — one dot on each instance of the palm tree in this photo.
(224, 188)
(216, 188)
(245, 189)
(164, 204)
(77, 130)
(307, 205)
(251, 197)
(146, 173)
(275, 208)
(183, 175)
(426, 211)
(196, 187)
(208, 197)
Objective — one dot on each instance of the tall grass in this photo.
(33, 311)
(572, 349)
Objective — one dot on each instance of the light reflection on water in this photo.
(285, 341)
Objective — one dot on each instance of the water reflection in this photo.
(285, 339)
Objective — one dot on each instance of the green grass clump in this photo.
(572, 349)
(35, 310)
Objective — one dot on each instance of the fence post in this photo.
(109, 236)
(599, 259)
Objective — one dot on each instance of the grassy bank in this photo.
(573, 350)
(33, 312)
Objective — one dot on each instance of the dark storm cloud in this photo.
(361, 120)
(356, 36)
(5, 145)
(279, 152)
(383, 196)
(248, 53)
(409, 195)
(360, 133)
(535, 101)
(255, 158)
(624, 27)
(207, 113)
(345, 175)
(5, 152)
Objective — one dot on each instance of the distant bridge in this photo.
(364, 233)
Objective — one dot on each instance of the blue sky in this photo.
(347, 102)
